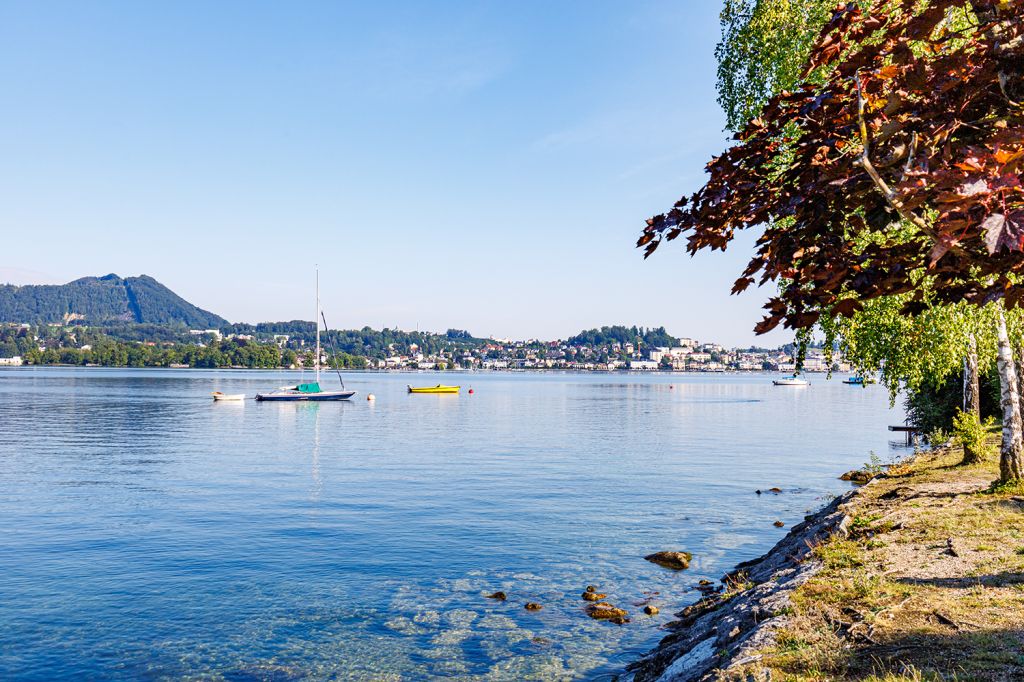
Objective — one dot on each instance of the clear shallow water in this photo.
(148, 532)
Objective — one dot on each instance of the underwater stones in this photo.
(427, 618)
(605, 611)
(677, 561)
(404, 626)
(532, 606)
(499, 595)
(593, 596)
(452, 637)
(460, 618)
(495, 622)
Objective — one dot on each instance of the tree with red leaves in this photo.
(894, 169)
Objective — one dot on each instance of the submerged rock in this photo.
(591, 588)
(593, 596)
(779, 524)
(775, 490)
(677, 561)
(500, 596)
(533, 606)
(605, 611)
(651, 610)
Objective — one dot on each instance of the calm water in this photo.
(151, 533)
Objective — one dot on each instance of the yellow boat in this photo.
(433, 389)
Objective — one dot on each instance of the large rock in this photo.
(677, 561)
(605, 611)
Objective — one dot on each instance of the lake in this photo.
(149, 532)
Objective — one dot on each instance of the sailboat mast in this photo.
(316, 322)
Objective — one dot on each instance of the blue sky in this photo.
(475, 165)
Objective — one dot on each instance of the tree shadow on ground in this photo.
(994, 580)
(964, 655)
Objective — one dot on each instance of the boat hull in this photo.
(324, 396)
(220, 397)
(434, 389)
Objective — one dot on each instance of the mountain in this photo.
(103, 299)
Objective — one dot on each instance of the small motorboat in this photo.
(217, 395)
(858, 381)
(791, 381)
(433, 389)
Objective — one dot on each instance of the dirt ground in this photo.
(928, 585)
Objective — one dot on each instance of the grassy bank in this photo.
(927, 584)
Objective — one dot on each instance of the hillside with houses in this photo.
(290, 345)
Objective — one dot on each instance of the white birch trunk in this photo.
(1011, 457)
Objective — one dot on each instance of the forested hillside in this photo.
(102, 299)
(621, 335)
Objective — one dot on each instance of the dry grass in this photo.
(929, 585)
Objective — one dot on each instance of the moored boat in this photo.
(310, 391)
(218, 396)
(433, 389)
(791, 381)
(304, 392)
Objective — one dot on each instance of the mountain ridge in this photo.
(110, 298)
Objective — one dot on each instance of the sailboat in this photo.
(310, 392)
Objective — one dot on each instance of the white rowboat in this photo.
(217, 395)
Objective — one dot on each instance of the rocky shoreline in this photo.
(723, 632)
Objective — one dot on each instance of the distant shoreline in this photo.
(529, 370)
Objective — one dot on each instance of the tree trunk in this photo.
(1020, 386)
(972, 383)
(972, 396)
(1011, 452)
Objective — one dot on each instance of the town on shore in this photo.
(290, 345)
